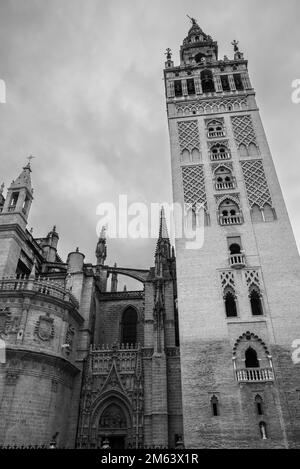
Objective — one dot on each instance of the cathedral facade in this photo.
(200, 356)
(85, 367)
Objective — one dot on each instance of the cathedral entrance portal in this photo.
(113, 427)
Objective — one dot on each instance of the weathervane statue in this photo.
(194, 22)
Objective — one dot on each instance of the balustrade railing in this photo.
(220, 156)
(225, 185)
(253, 375)
(216, 134)
(231, 220)
(237, 260)
(41, 285)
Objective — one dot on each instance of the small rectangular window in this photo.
(190, 86)
(178, 88)
(225, 83)
(238, 82)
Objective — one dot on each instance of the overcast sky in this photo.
(85, 96)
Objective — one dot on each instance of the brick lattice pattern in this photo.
(188, 134)
(243, 130)
(256, 183)
(194, 185)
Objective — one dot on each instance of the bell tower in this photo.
(239, 294)
(14, 212)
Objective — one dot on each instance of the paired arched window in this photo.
(219, 152)
(224, 178)
(129, 326)
(229, 213)
(215, 129)
(251, 360)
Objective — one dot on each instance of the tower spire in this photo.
(163, 246)
(19, 195)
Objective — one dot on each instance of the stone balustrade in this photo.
(254, 375)
(44, 286)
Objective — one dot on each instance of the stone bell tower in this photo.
(239, 294)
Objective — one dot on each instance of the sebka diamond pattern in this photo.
(243, 130)
(188, 134)
(194, 185)
(256, 183)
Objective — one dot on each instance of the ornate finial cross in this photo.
(168, 53)
(29, 158)
(192, 20)
(235, 45)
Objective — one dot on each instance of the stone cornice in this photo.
(41, 356)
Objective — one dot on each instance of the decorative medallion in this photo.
(45, 328)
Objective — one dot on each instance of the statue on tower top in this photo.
(237, 54)
(193, 21)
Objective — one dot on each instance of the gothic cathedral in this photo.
(201, 355)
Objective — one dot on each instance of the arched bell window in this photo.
(251, 360)
(129, 326)
(207, 81)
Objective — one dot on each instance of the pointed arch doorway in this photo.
(114, 425)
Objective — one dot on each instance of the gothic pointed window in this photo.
(129, 326)
(207, 81)
(255, 301)
(259, 405)
(214, 406)
(251, 360)
(230, 303)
